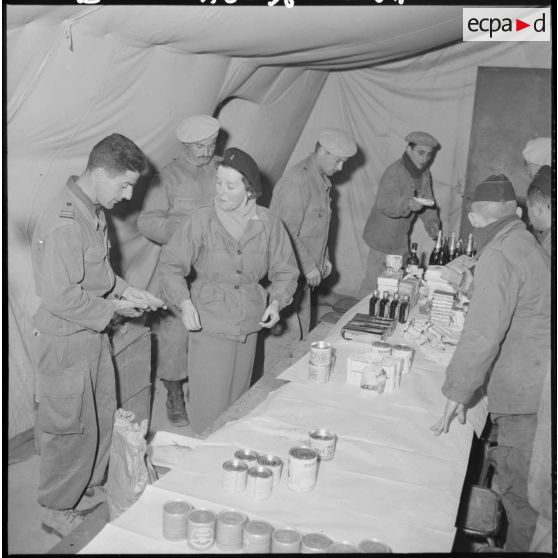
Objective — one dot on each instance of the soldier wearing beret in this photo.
(505, 345)
(402, 193)
(301, 199)
(80, 295)
(182, 186)
(232, 246)
(539, 206)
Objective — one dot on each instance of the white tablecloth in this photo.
(391, 478)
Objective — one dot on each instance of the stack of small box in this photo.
(410, 286)
(389, 281)
(442, 304)
(435, 280)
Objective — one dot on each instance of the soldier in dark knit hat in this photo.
(505, 345)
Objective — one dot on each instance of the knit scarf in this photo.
(410, 166)
(483, 235)
(236, 220)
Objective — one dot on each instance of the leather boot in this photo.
(176, 408)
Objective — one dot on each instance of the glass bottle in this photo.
(444, 253)
(469, 251)
(459, 248)
(437, 249)
(404, 310)
(384, 305)
(393, 306)
(373, 306)
(413, 263)
(452, 247)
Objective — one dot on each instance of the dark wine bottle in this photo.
(393, 306)
(373, 306)
(437, 250)
(404, 310)
(383, 311)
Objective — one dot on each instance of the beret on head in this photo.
(496, 188)
(197, 128)
(244, 164)
(422, 138)
(538, 151)
(543, 180)
(337, 142)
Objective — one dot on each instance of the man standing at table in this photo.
(301, 199)
(80, 295)
(184, 185)
(405, 191)
(506, 343)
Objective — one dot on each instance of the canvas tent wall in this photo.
(78, 73)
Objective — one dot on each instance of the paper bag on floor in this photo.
(129, 469)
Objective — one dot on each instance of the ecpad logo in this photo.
(506, 24)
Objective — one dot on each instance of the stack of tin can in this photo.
(321, 359)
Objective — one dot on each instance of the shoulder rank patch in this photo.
(67, 213)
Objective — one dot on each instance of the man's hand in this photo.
(190, 316)
(314, 277)
(127, 309)
(142, 299)
(415, 205)
(272, 314)
(453, 409)
(328, 267)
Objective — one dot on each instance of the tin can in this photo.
(249, 456)
(323, 442)
(381, 348)
(320, 352)
(314, 543)
(274, 463)
(257, 537)
(319, 373)
(230, 528)
(302, 469)
(175, 520)
(201, 529)
(286, 541)
(234, 475)
(406, 353)
(343, 548)
(374, 546)
(259, 482)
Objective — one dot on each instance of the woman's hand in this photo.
(190, 316)
(271, 315)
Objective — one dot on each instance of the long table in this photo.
(391, 478)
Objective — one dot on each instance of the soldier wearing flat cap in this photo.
(539, 206)
(232, 246)
(184, 185)
(301, 199)
(404, 189)
(504, 347)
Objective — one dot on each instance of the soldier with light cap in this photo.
(301, 199)
(404, 192)
(537, 152)
(184, 185)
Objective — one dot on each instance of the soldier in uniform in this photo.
(184, 185)
(301, 199)
(80, 295)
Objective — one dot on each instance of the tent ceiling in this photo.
(320, 37)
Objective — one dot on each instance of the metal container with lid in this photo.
(343, 548)
(374, 546)
(234, 475)
(302, 469)
(259, 483)
(230, 528)
(286, 541)
(380, 348)
(406, 353)
(201, 529)
(175, 519)
(313, 543)
(323, 442)
(274, 463)
(320, 352)
(257, 537)
(249, 456)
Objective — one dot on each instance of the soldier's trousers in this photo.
(172, 346)
(77, 400)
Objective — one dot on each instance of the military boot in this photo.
(176, 408)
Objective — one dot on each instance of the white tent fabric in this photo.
(78, 73)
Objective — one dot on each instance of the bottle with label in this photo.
(459, 248)
(437, 249)
(383, 311)
(393, 306)
(443, 259)
(469, 251)
(413, 263)
(373, 306)
(452, 246)
(404, 310)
